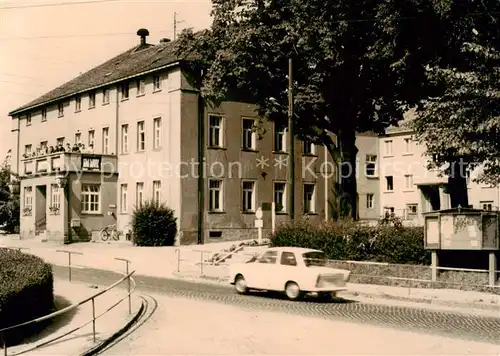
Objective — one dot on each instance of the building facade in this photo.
(134, 129)
(408, 189)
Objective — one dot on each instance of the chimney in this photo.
(143, 33)
(165, 40)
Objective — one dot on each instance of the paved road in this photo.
(463, 326)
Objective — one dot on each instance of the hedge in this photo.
(154, 224)
(348, 240)
(26, 292)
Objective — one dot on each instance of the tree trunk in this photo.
(347, 171)
(457, 185)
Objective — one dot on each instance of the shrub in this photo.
(154, 224)
(26, 292)
(348, 240)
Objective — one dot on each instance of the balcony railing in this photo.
(69, 162)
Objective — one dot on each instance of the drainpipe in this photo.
(117, 121)
(326, 182)
(201, 170)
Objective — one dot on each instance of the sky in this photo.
(45, 43)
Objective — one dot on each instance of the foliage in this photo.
(9, 201)
(462, 124)
(355, 63)
(348, 240)
(26, 290)
(154, 224)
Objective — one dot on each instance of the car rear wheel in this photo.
(292, 291)
(240, 284)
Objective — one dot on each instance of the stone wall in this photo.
(414, 276)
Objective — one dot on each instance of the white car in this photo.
(293, 270)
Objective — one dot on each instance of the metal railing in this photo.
(131, 286)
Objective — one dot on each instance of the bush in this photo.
(154, 224)
(26, 292)
(348, 240)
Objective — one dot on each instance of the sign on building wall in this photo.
(91, 163)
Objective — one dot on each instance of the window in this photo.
(55, 197)
(44, 145)
(141, 136)
(125, 138)
(60, 141)
(124, 89)
(78, 138)
(156, 83)
(389, 183)
(215, 131)
(388, 147)
(309, 199)
(91, 138)
(105, 96)
(279, 138)
(78, 104)
(269, 257)
(105, 140)
(288, 259)
(467, 175)
(28, 119)
(157, 191)
(215, 198)
(157, 133)
(248, 134)
(91, 100)
(91, 197)
(412, 209)
(141, 87)
(371, 165)
(308, 148)
(27, 150)
(123, 198)
(44, 114)
(28, 199)
(370, 197)
(388, 211)
(280, 196)
(248, 198)
(408, 145)
(487, 205)
(60, 110)
(139, 194)
(408, 181)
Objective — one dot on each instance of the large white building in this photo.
(408, 189)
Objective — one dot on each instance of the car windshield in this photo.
(315, 258)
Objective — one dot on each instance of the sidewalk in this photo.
(80, 341)
(163, 262)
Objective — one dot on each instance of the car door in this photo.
(284, 271)
(262, 269)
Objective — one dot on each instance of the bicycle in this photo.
(110, 231)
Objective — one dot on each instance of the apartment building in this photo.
(368, 180)
(408, 189)
(134, 128)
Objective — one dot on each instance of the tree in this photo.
(461, 127)
(356, 63)
(9, 200)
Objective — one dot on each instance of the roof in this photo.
(131, 63)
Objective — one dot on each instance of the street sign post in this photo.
(259, 224)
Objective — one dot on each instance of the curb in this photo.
(444, 303)
(101, 346)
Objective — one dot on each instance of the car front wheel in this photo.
(240, 284)
(292, 291)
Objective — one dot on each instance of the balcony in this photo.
(68, 162)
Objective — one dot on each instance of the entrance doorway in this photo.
(40, 209)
